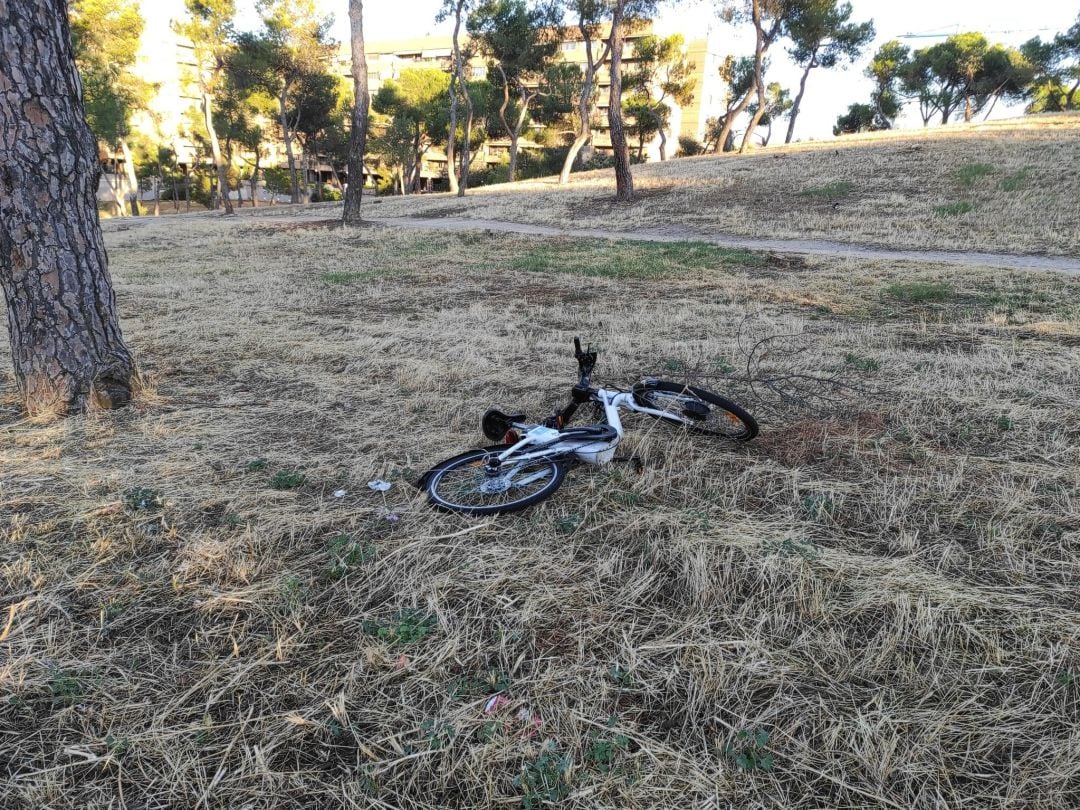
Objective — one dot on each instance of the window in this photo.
(569, 46)
(479, 72)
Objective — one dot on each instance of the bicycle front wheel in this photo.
(463, 484)
(697, 409)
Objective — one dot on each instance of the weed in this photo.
(66, 687)
(545, 779)
(920, 292)
(408, 626)
(111, 609)
(867, 364)
(143, 499)
(437, 734)
(818, 505)
(604, 749)
(287, 479)
(968, 173)
(1066, 679)
(347, 553)
(118, 747)
(293, 592)
(493, 683)
(488, 731)
(621, 676)
(787, 547)
(954, 209)
(231, 520)
(722, 366)
(748, 751)
(1004, 423)
(568, 524)
(674, 364)
(829, 191)
(256, 464)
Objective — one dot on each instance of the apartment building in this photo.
(387, 59)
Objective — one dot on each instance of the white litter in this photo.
(379, 485)
(339, 493)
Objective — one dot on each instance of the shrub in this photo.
(689, 146)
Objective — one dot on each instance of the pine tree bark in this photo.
(624, 180)
(215, 150)
(759, 75)
(585, 105)
(66, 343)
(798, 99)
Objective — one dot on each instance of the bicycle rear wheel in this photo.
(463, 484)
(697, 409)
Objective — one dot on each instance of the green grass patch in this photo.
(829, 191)
(970, 173)
(346, 277)
(408, 626)
(1017, 180)
(287, 479)
(920, 292)
(954, 209)
(640, 260)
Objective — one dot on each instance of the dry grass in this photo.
(887, 588)
(1004, 186)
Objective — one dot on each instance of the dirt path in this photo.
(814, 247)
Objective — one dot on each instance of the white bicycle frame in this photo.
(538, 441)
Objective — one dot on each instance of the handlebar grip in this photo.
(577, 345)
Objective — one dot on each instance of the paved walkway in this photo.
(813, 247)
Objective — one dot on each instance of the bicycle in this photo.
(532, 460)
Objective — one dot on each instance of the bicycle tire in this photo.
(732, 421)
(469, 486)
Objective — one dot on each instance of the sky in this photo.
(917, 23)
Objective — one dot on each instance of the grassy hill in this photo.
(1008, 186)
(873, 604)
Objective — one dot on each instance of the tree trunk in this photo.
(358, 135)
(759, 74)
(798, 99)
(725, 138)
(663, 144)
(624, 180)
(286, 135)
(215, 150)
(114, 187)
(515, 136)
(466, 150)
(255, 180)
(584, 105)
(451, 170)
(502, 117)
(133, 181)
(157, 196)
(66, 344)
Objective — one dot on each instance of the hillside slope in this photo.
(1009, 186)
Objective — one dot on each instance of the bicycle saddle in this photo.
(495, 423)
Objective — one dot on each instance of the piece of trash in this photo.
(340, 493)
(531, 721)
(379, 485)
(402, 662)
(495, 702)
(392, 517)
